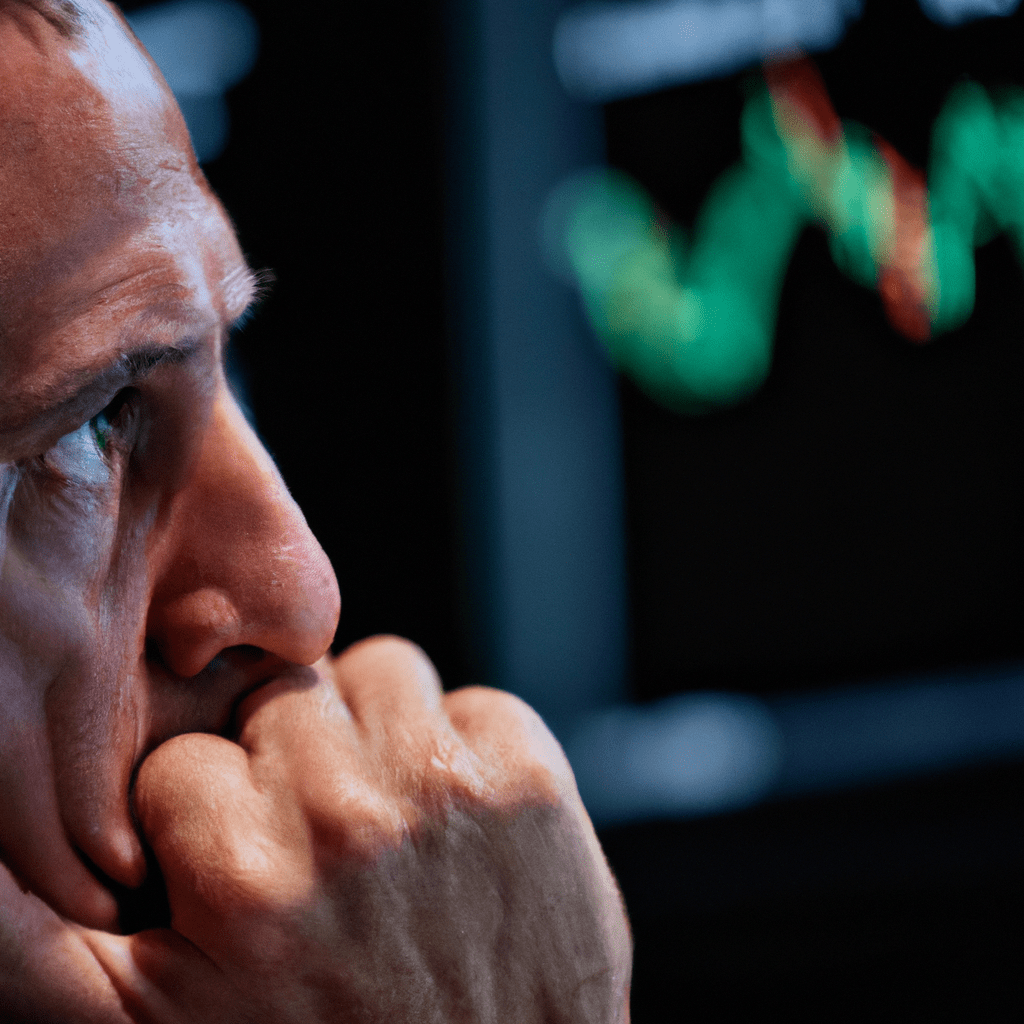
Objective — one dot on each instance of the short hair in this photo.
(68, 17)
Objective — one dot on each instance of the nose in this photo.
(238, 568)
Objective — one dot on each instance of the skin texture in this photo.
(338, 838)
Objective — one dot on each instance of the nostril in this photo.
(245, 654)
(260, 667)
(204, 701)
(242, 658)
(154, 655)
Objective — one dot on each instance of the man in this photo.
(338, 839)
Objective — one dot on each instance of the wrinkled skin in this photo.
(339, 839)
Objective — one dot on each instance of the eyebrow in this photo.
(126, 369)
(136, 363)
(241, 291)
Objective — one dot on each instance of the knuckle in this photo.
(238, 880)
(358, 826)
(526, 762)
(388, 674)
(251, 878)
(387, 647)
(172, 776)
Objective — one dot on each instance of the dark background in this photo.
(859, 517)
(862, 514)
(333, 174)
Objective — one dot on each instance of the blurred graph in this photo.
(693, 323)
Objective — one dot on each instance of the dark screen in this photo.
(861, 515)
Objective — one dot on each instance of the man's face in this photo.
(154, 568)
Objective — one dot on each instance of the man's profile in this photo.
(338, 839)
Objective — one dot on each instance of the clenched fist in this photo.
(369, 850)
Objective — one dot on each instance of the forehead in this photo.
(104, 214)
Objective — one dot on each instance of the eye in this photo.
(85, 455)
(101, 430)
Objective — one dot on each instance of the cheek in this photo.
(47, 639)
(72, 611)
(48, 616)
(64, 534)
(72, 578)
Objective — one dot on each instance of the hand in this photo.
(369, 850)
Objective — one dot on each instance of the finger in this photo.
(353, 750)
(228, 851)
(388, 683)
(52, 970)
(503, 730)
(380, 687)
